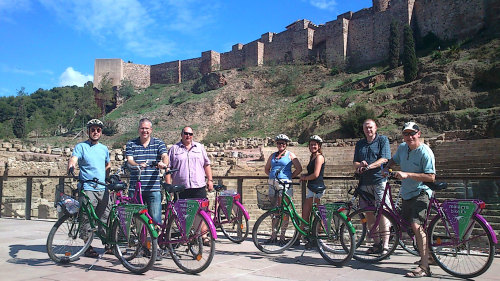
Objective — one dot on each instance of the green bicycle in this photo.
(327, 226)
(128, 230)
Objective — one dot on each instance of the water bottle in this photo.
(229, 192)
(71, 205)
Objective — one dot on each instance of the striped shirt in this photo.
(150, 176)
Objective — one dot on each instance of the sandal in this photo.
(109, 250)
(375, 249)
(419, 272)
(91, 253)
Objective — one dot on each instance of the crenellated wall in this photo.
(353, 39)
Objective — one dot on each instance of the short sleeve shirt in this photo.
(371, 152)
(191, 164)
(150, 176)
(92, 160)
(419, 160)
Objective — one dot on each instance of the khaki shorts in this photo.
(377, 190)
(415, 209)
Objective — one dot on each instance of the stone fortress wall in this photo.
(354, 38)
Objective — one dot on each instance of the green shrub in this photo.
(110, 128)
(352, 122)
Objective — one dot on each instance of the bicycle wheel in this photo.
(193, 253)
(336, 241)
(465, 258)
(408, 243)
(370, 248)
(273, 232)
(136, 251)
(235, 228)
(64, 243)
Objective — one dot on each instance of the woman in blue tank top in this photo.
(281, 161)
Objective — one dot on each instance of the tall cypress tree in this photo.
(19, 122)
(394, 45)
(410, 62)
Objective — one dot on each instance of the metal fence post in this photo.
(240, 188)
(29, 191)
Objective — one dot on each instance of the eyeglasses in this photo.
(187, 133)
(410, 133)
(95, 130)
(281, 143)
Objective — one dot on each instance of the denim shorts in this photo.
(310, 194)
(274, 185)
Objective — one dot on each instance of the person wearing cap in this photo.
(417, 164)
(282, 161)
(314, 178)
(93, 160)
(370, 154)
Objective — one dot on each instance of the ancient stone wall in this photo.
(450, 19)
(166, 73)
(138, 74)
(359, 39)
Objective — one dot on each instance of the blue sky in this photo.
(51, 43)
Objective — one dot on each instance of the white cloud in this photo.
(72, 77)
(141, 27)
(324, 4)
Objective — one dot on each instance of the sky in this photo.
(52, 43)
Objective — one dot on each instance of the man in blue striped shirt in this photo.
(142, 152)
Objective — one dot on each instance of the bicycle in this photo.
(182, 232)
(460, 240)
(406, 241)
(230, 215)
(327, 225)
(127, 230)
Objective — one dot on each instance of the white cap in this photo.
(411, 126)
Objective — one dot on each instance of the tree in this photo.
(394, 45)
(38, 124)
(410, 62)
(106, 94)
(352, 122)
(19, 123)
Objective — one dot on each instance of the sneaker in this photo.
(109, 250)
(375, 249)
(311, 244)
(296, 243)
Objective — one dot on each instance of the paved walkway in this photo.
(23, 257)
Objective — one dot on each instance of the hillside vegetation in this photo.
(457, 88)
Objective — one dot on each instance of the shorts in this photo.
(274, 185)
(193, 193)
(377, 190)
(414, 210)
(310, 194)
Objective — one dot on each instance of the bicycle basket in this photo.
(125, 213)
(264, 201)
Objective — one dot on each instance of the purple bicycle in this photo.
(187, 232)
(460, 240)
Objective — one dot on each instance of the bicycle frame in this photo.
(226, 207)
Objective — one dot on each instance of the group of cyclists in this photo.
(372, 159)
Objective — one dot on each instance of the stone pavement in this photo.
(23, 257)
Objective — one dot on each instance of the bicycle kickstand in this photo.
(96, 260)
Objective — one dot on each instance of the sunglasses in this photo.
(187, 133)
(95, 130)
(410, 133)
(281, 143)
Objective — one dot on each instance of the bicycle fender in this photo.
(149, 225)
(349, 223)
(211, 224)
(245, 213)
(490, 229)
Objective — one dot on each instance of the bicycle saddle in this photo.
(173, 188)
(117, 186)
(317, 189)
(219, 187)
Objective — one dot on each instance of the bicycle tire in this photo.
(271, 224)
(236, 227)
(336, 247)
(192, 255)
(358, 219)
(64, 243)
(137, 251)
(459, 260)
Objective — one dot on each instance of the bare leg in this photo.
(421, 237)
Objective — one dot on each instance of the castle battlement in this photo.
(354, 38)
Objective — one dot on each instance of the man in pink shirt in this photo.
(191, 159)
